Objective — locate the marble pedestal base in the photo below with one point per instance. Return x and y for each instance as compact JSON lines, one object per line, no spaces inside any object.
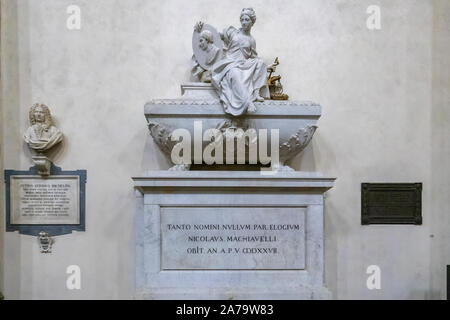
{"x":230,"y":235}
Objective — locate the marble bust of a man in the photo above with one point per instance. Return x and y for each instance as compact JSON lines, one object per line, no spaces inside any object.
{"x":206,"y":52}
{"x":42,"y":134}
{"x":206,"y":43}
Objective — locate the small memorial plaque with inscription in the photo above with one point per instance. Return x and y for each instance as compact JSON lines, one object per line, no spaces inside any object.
{"x":54,"y":204}
{"x":391,"y":203}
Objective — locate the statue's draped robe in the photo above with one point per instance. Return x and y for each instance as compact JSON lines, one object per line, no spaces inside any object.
{"x":44,"y":141}
{"x":241,"y":75}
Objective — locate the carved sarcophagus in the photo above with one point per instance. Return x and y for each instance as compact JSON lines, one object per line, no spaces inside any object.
{"x":287,"y":125}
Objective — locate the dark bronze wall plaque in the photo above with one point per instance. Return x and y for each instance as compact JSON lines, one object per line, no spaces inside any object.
{"x":448,"y":282}
{"x":391,"y":203}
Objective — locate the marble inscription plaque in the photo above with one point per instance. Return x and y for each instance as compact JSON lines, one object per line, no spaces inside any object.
{"x":52,"y":200}
{"x":232,"y":238}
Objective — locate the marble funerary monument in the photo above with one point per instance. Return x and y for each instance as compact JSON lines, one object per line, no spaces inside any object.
{"x":44,"y":201}
{"x":231,"y":219}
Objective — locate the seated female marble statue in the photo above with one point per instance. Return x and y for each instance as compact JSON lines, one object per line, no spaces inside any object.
{"x":42,"y":134}
{"x":240,"y":77}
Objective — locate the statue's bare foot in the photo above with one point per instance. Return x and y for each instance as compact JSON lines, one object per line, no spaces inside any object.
{"x":259,"y":99}
{"x":251,"y":108}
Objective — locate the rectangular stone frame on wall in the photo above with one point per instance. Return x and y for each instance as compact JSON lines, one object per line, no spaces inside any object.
{"x":296,"y":192}
{"x":54,"y":229}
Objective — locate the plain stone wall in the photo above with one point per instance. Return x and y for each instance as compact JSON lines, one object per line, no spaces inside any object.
{"x":385,"y":113}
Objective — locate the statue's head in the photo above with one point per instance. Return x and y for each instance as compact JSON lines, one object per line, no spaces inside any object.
{"x":40,"y":113}
{"x":206,"y":37}
{"x":248,"y":18}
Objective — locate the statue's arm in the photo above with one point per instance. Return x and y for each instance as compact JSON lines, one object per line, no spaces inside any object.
{"x":227,"y":34}
{"x":254,"y":54}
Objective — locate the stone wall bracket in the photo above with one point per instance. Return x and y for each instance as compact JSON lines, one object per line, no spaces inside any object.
{"x":43,"y":164}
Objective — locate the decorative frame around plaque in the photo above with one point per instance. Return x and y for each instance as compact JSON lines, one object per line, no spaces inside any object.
{"x":51,"y":229}
{"x":391,"y":203}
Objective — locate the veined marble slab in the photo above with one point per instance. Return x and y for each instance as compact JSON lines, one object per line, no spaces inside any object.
{"x":52,"y":200}
{"x":245,"y":238}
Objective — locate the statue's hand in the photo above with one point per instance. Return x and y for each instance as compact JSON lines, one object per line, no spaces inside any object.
{"x":272,"y":67}
{"x":198,"y":26}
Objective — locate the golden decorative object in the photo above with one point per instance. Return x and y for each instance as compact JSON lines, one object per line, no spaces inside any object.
{"x":275,"y":87}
